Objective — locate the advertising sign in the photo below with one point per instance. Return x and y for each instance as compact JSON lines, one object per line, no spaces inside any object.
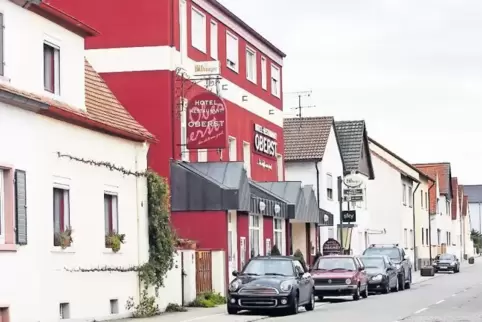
{"x":331,"y":247}
{"x":348,"y":216}
{"x":206,"y":122}
{"x":353,"y":180}
{"x":206,"y":68}
{"x":265,"y":142}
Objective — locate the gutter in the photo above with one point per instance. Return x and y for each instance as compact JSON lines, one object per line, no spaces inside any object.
{"x":414,"y":230}
{"x":318,"y":233}
{"x":430,"y":224}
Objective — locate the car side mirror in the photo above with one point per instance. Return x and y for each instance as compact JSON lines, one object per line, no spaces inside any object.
{"x":235,"y":273}
{"x":406,"y":257}
{"x":361,"y":268}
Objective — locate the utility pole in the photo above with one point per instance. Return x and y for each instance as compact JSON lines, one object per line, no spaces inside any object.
{"x":340,"y":204}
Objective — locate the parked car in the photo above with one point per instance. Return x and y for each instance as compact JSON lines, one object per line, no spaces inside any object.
{"x":340,"y":275}
{"x":271,"y":283}
{"x":447,"y":263}
{"x":398,"y":257}
{"x":382,"y":274}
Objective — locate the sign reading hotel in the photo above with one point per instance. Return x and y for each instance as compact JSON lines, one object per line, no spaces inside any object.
{"x":206,"y":122}
{"x":265,"y":142}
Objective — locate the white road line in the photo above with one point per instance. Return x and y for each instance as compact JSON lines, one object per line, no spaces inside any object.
{"x":420,"y":311}
{"x":455,"y":294}
{"x":441,"y":301}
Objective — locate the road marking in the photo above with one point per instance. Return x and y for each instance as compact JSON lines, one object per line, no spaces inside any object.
{"x":420,"y":311}
{"x":455,"y":294}
{"x":440,"y":301}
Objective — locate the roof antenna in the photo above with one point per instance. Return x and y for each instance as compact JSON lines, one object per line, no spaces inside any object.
{"x":300,"y":107}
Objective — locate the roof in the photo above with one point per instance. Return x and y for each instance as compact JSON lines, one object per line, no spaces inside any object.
{"x":103,"y":111}
{"x":455,"y":200}
{"x":473,"y":193}
{"x":49,"y":12}
{"x":239,"y":21}
{"x":441,"y":170}
{"x":465,"y":206}
{"x":461,"y":197}
{"x":423,"y":174}
{"x":352,"y":135}
{"x":305,"y":138}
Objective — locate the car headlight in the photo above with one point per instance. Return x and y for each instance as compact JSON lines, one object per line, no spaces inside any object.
{"x":398,"y":266}
{"x":453,"y":264}
{"x":285,"y":286}
{"x":233,"y":287}
{"x":348,"y":281}
{"x":379,"y":277}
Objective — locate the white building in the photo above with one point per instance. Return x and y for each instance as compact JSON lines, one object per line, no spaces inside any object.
{"x":61,"y":115}
{"x":312,"y":156}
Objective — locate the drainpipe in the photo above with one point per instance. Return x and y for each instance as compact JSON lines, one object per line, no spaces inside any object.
{"x":414,"y":230}
{"x":318,"y":244}
{"x":430,"y":225}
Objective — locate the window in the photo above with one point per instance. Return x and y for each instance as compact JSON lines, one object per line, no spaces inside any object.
{"x":61,"y":217}
{"x":198,"y":30}
{"x":52,"y":68}
{"x":251,"y":65}
{"x":263,"y":73}
{"x":2,"y":208}
{"x":202,"y":155}
{"x":426,"y":200}
{"x":247,"y":158}
{"x":111,"y":214}
{"x":64,"y":311}
{"x":438,"y":237}
{"x":447,"y":207}
{"x":232,"y":149}
{"x":421,"y":198}
{"x":275,"y":81}
{"x":254,"y":235}
{"x":411,"y":239}
{"x":184,"y":150}
{"x":114,"y":306}
{"x":404,"y":194}
{"x":427,"y":238}
{"x":298,"y":266}
{"x":232,"y":53}
{"x":410,"y":197}
{"x":2,"y":62}
{"x":405,"y":238}
{"x":214,"y":40}
{"x":329,"y":186}
{"x":423,"y":237}
{"x":278,"y":234}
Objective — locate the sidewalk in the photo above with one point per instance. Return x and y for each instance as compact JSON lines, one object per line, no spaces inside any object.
{"x":193,"y":314}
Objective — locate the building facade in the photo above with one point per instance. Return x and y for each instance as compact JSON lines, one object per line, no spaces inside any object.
{"x":57,"y":202}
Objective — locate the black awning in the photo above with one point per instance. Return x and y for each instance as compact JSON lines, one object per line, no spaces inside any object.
{"x":266,"y":203}
{"x":327,"y":219}
{"x":200,"y":186}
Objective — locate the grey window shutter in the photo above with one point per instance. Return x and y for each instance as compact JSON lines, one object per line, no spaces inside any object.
{"x":21,"y":206}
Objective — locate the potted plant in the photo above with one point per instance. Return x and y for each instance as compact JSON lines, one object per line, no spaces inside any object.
{"x":114,"y":240}
{"x":186,"y":244}
{"x":64,"y":238}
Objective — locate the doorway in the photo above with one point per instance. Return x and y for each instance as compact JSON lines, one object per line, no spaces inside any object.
{"x":232,"y":244}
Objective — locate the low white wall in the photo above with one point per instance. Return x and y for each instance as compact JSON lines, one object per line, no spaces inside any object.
{"x":189,"y":263}
{"x":218,"y":271}
{"x":172,"y":290}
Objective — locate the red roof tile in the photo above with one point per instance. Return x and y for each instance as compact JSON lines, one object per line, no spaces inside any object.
{"x":461,"y":197}
{"x":429,"y":171}
{"x":444,"y":173}
{"x":455,"y":200}
{"x":103,"y":112}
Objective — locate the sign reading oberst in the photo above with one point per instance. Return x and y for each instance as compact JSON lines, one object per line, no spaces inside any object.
{"x":206,"y":122}
{"x":265,"y":142}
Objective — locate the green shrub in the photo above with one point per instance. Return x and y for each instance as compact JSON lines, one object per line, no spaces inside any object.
{"x":208,"y":299}
{"x":275,"y":251}
{"x":173,"y":307}
{"x":299,"y":255}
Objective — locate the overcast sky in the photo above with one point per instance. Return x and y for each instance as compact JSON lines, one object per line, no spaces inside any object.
{"x":411,"y":68}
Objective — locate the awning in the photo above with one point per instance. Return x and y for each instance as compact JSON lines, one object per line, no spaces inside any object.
{"x":326,"y":218}
{"x":202,"y":186}
{"x":266,"y":203}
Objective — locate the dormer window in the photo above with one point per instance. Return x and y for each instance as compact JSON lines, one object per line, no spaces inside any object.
{"x":52,"y":68}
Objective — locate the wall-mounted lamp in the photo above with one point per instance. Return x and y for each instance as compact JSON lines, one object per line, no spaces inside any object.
{"x":224,"y":87}
{"x":271,"y":112}
{"x":245,"y":98}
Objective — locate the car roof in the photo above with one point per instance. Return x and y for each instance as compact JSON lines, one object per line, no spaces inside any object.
{"x":338,"y":256}
{"x":277,"y":257}
{"x":374,"y":256}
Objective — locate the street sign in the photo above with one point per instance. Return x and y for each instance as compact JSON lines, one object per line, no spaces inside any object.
{"x":356,"y":198}
{"x":348,"y":216}
{"x":353,"y":180}
{"x":351,"y":192}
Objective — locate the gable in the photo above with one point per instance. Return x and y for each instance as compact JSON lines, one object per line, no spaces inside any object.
{"x":363,"y":165}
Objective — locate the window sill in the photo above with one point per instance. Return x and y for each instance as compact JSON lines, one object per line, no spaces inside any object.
{"x":276,"y":95}
{"x":109,"y":251}
{"x":8,"y":248}
{"x":201,"y":50}
{"x":251,"y":80}
{"x":58,"y":249}
{"x":234,"y":69}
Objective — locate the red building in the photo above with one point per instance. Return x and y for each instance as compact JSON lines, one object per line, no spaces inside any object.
{"x":155,"y":55}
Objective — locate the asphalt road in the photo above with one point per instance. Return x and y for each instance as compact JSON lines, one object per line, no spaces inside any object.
{"x":446,"y":298}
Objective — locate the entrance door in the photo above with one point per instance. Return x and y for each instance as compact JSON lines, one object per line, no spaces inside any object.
{"x":232,"y":249}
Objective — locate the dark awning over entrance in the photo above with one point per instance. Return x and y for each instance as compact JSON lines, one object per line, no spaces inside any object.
{"x":266,"y":203}
{"x":293,"y":192}
{"x":326,"y":218}
{"x":201,"y":186}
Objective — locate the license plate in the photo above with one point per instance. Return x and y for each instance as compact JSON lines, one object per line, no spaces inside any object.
{"x":443,"y":266}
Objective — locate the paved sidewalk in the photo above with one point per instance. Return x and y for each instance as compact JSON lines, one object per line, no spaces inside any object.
{"x":192,"y":314}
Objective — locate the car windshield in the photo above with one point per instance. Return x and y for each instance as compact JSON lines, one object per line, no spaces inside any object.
{"x":446,"y":257}
{"x":373,"y":262}
{"x":393,"y":253}
{"x":269,"y":267}
{"x":333,"y":263}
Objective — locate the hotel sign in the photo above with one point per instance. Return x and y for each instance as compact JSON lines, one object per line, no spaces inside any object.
{"x":265,"y":141}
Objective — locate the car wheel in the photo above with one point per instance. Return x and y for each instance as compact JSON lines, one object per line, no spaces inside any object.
{"x":365,"y":292}
{"x":386,"y":289}
{"x":408,"y":284}
{"x":397,"y":286}
{"x":401,"y":282}
{"x":356,"y":296}
{"x":232,"y":310}
{"x":294,"y":305}
{"x":311,"y":306}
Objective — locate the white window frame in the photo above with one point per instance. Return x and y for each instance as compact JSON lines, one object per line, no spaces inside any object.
{"x":411,"y":239}
{"x":251,"y":70}
{"x":232,"y":59}
{"x":67,"y":206}
{"x":247,"y":158}
{"x":232,"y":149}
{"x":2,"y":207}
{"x":56,"y":75}
{"x":198,"y":31}
{"x":405,"y":237}
{"x":264,"y":83}
{"x":278,"y":231}
{"x":202,"y":155}
{"x":183,"y":130}
{"x":115,"y":214}
{"x":410,"y":196}
{"x":253,"y":228}
{"x":329,"y":186}
{"x":214,"y":39}
{"x":404,"y":194}
{"x":275,"y":81}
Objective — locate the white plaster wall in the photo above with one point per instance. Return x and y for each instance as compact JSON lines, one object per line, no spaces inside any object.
{"x":421,"y":219}
{"x":38,"y":267}
{"x":444,"y":220}
{"x":172,"y":290}
{"x":189,"y":263}
{"x":407,"y":219}
{"x":218,"y":272}
{"x":25,"y":33}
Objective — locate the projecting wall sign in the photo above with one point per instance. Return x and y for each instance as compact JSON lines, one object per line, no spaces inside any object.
{"x":265,"y":142}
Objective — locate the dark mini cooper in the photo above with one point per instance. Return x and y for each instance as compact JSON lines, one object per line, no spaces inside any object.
{"x":382,"y":274}
{"x":446,"y":263}
{"x":271,"y":283}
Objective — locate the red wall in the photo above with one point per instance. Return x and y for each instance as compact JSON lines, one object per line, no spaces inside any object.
{"x":267,"y":232}
{"x":192,"y":225}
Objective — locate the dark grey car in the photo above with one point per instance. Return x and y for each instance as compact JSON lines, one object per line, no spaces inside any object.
{"x":382,"y":275}
{"x":446,"y":263}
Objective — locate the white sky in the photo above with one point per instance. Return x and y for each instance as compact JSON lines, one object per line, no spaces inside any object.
{"x":411,"y":68}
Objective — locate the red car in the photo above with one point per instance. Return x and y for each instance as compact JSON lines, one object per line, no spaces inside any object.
{"x":340,"y":275}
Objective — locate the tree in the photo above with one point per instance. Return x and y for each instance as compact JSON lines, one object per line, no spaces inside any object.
{"x":275,"y":251}
{"x":476,"y":237}
{"x":299,"y":255}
